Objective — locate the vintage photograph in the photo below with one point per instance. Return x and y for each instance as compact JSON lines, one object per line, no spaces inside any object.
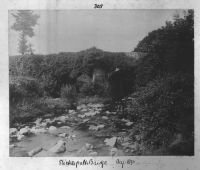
{"x":85,"y":83}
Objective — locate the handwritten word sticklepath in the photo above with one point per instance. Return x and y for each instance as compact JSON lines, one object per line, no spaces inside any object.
{"x":83,"y":162}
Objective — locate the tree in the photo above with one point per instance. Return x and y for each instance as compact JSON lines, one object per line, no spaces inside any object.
{"x":30,"y":49}
{"x":25,"y":21}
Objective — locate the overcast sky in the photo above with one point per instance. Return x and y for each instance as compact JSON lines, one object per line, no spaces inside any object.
{"x":75,"y":30}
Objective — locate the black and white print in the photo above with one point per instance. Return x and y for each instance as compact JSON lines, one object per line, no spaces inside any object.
{"x":101,"y":83}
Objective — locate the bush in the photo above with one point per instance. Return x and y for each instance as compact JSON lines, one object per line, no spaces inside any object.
{"x":163,"y":108}
{"x":23,"y":88}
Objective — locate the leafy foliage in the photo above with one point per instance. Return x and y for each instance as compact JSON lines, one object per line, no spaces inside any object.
{"x":163,"y":103}
{"x":56,"y":70}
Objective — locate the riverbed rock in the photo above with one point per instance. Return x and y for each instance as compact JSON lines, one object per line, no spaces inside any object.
{"x":37,"y":130}
{"x":38,"y":121}
{"x":13,"y":131}
{"x":84,"y":110}
{"x":20,"y":137}
{"x":96,"y":128}
{"x":105,"y":117}
{"x":72,"y":111}
{"x":65,"y":127}
{"x":35,"y":151}
{"x":82,"y":106}
{"x":98,"y":105}
{"x":59,"y":147}
{"x":89,"y":146}
{"x":52,"y":129}
{"x":24,"y":131}
{"x":62,"y":118}
{"x":108,"y":112}
{"x":91,"y":113}
{"x":63,"y":135}
{"x":128,"y":123}
{"x":111,"y":142}
{"x":81,"y":116}
{"x":44,"y":124}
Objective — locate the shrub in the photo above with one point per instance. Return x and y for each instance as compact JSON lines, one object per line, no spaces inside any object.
{"x":23,"y":88}
{"x":164,"y":107}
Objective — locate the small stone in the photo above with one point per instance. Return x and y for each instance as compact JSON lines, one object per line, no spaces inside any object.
{"x":125,"y":120}
{"x":35,"y":151}
{"x":100,"y":126}
{"x":111,"y":142}
{"x":105,"y":117}
{"x":71,"y":111}
{"x":85,"y":120}
{"x":62,"y":118}
{"x":129,"y":123}
{"x":92,"y":127}
{"x":37,"y":130}
{"x":73,"y":136}
{"x":38,"y":121}
{"x":84,"y":110}
{"x":24,"y":131}
{"x":107,"y":112}
{"x":20,"y":137}
{"x":13,"y":131}
{"x":63,"y":135}
{"x":89,"y":146}
{"x":44,"y":124}
{"x":81,"y":116}
{"x":65,"y":127}
{"x":90,"y":113}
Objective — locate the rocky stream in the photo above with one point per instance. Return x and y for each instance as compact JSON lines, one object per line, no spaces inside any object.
{"x":89,"y":130}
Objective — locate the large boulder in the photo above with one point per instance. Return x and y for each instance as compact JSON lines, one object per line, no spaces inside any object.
{"x":20,"y":137}
{"x":24,"y":131}
{"x":59,"y":147}
{"x":13,"y":131}
{"x":63,"y":118}
{"x":35,"y":151}
{"x":37,"y":130}
{"x":111,"y":142}
{"x":52,"y":129}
